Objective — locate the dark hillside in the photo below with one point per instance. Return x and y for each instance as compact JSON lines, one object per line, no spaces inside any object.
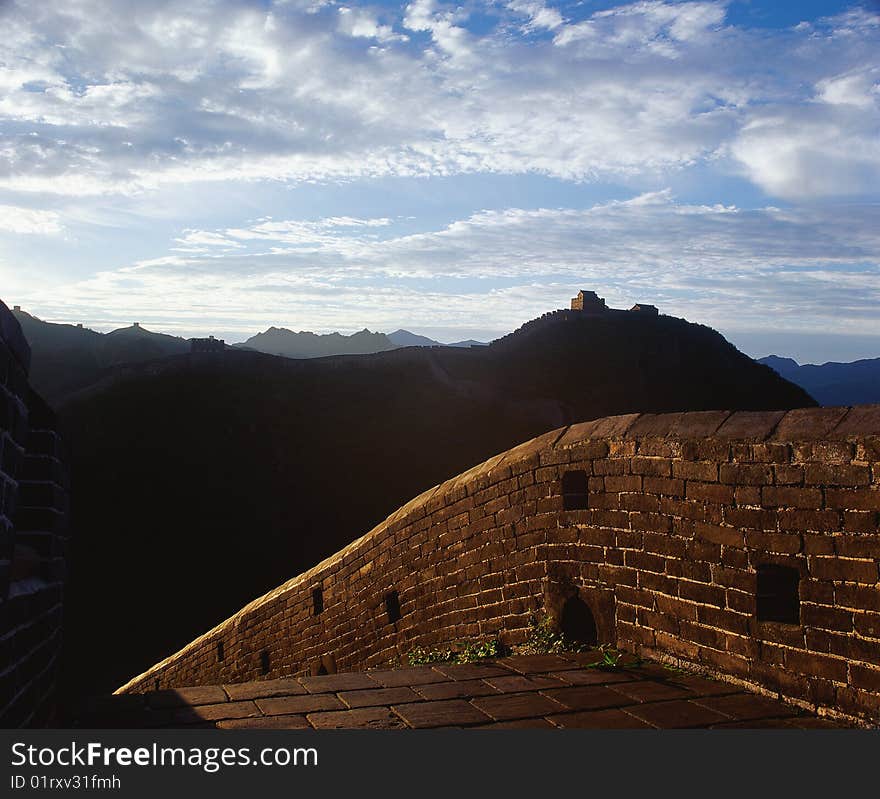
{"x":203,"y":481}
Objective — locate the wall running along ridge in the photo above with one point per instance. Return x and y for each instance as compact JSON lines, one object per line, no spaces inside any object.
{"x":682,"y":512}
{"x":33,"y":538}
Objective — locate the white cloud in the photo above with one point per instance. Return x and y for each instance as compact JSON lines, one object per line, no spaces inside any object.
{"x":770,"y":269}
{"x":107,"y":98}
{"x":29,"y":220}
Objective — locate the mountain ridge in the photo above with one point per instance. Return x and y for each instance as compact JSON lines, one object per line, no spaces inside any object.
{"x":833,"y":382}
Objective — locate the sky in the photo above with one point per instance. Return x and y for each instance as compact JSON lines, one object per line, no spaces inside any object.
{"x":220,"y":166}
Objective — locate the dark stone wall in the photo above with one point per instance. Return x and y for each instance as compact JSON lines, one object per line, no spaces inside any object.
{"x":33,"y":539}
{"x":743,"y":544}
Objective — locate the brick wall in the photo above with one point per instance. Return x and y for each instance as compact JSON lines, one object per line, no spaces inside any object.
{"x":33,"y":517}
{"x":744,"y":544}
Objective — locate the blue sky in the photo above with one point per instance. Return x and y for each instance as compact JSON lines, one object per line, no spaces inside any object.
{"x":455,"y":169}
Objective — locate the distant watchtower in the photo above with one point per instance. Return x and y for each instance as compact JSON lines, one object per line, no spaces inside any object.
{"x":589,"y":302}
{"x":209,"y":344}
{"x":643,"y":308}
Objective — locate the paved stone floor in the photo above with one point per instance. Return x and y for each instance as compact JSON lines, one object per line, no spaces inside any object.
{"x":532,"y":691}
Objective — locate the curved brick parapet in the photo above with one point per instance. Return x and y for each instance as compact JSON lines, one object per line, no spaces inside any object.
{"x":744,"y":543}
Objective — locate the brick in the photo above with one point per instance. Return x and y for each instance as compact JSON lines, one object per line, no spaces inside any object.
{"x":815,"y":520}
{"x":747,"y":707}
{"x":718,"y":534}
{"x":866,"y":678}
{"x":623,"y":483}
{"x":808,"y":423}
{"x":867,"y":499}
{"x":865,"y":545}
{"x":592,"y":697}
{"x":656,"y":522}
{"x":706,"y":471}
{"x":368,"y":718}
{"x":378,"y":696}
{"x":677,"y":715}
{"x":611,"y":719}
{"x":784,"y":543}
{"x":664,"y":485}
{"x":299,"y":704}
{"x":861,"y":521}
{"x":709,"y":492}
{"x":845,"y":569}
{"x":859,"y":597}
{"x":447,"y":713}
{"x":813,"y":664}
{"x":754,"y":518}
{"x":750,"y":425}
{"x":790,"y":497}
{"x":784,"y":474}
{"x":837,"y":475}
{"x":828,"y":618}
{"x":867,"y":624}
{"x":745,"y":474}
{"x":289,"y":722}
{"x":656,"y":467}
{"x":698,"y":592}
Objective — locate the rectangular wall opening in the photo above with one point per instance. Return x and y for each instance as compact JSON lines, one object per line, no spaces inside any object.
{"x":392,"y":606}
{"x":317,"y":601}
{"x":264,"y":661}
{"x":778,"y":596}
{"x":220,"y":653}
{"x":574,"y":490}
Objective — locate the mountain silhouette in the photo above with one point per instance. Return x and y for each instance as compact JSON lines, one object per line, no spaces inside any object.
{"x":66,"y":358}
{"x":201,"y":482}
{"x":403,"y":338}
{"x":832,"y":383}
{"x":281,"y":341}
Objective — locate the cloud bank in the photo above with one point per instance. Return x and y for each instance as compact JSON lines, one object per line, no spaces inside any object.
{"x":102,"y":98}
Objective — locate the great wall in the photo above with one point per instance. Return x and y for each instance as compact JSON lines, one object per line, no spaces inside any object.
{"x":33,"y":540}
{"x":744,"y":544}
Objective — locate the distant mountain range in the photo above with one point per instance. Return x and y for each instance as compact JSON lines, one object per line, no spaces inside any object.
{"x":68,"y":358}
{"x":832,"y":383}
{"x":281,"y":341}
{"x":403,"y":338}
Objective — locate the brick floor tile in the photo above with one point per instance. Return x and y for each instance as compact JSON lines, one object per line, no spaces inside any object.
{"x":535,"y":664}
{"x":374,"y":697}
{"x":309,"y":703}
{"x":675,"y":715}
{"x":463,"y":689}
{"x":517,"y":706}
{"x":447,"y":713}
{"x":264,"y":689}
{"x":650,"y":691}
{"x":178,"y":697}
{"x":588,"y":697}
{"x":289,"y":722}
{"x":418,"y":675}
{"x":518,"y":724}
{"x":193,"y":715}
{"x":331,"y":683}
{"x":590,"y":676}
{"x":702,"y":686}
{"x":471,"y":671}
{"x":747,"y":707}
{"x":519,"y":683}
{"x":365,"y":718}
{"x":611,"y":719}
